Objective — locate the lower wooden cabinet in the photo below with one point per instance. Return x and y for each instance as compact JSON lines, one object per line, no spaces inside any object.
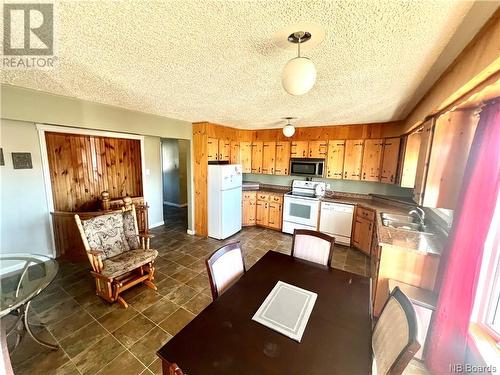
{"x":274,"y":216}
{"x":363,"y":230}
{"x":249,"y":204}
{"x":262,"y":209}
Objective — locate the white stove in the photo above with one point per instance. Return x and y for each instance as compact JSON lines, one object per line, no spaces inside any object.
{"x":301,"y":205}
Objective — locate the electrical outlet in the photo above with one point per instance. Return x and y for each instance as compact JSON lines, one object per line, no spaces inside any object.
{"x":328,"y":187}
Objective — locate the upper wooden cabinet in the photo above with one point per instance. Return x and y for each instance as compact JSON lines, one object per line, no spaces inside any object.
{"x":410,"y":159}
{"x":257,"y":148}
{"x":213,"y":149}
{"x":452,"y":139}
{"x":300,"y":149}
{"x":268,"y":157}
{"x":246,"y":157}
{"x":335,"y":160}
{"x":224,"y":149}
{"x":372,"y":157}
{"x":317,"y":149}
{"x":282,"y":162}
{"x":353,"y":158}
{"x":390,"y":160}
{"x":423,"y":159}
{"x":235,"y":153}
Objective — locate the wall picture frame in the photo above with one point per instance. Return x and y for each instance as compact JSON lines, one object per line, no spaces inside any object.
{"x":22,"y":160}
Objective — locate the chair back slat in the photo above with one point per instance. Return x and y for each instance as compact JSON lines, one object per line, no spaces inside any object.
{"x":394,"y":338}
{"x":224,"y":267}
{"x":313,"y":246}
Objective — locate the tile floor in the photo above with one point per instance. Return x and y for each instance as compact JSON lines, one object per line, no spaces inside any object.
{"x":99,"y":338}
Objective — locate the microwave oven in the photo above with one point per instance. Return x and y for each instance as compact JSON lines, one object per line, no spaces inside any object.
{"x":307,"y":167}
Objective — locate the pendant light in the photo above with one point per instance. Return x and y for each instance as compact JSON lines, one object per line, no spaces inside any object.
{"x":299,"y":74}
{"x":288,"y":129}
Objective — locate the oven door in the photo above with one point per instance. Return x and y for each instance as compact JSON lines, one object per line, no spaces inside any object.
{"x":301,"y":211}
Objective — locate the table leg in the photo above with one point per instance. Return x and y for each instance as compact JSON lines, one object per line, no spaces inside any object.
{"x":31,"y":333}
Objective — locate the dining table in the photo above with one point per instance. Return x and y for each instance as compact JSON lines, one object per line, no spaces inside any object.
{"x":223,"y":338}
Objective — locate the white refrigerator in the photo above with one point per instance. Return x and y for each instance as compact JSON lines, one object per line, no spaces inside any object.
{"x":224,"y":200}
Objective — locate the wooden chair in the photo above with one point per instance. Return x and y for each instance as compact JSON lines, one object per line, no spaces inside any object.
{"x":119,"y":255}
{"x":313,"y":246}
{"x":224,"y":267}
{"x":394,"y":338}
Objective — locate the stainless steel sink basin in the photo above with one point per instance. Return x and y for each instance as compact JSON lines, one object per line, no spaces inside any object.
{"x":403,"y":222}
{"x":400,"y":218}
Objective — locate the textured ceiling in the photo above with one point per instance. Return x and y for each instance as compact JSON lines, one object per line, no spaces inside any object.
{"x":200,"y":60}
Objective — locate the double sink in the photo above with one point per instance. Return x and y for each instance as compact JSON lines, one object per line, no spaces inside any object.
{"x":403,"y":222}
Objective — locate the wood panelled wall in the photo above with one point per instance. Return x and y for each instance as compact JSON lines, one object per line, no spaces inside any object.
{"x":204,"y":130}
{"x":82,"y":166}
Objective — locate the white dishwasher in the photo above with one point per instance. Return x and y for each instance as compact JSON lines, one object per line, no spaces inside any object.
{"x":336,"y":220}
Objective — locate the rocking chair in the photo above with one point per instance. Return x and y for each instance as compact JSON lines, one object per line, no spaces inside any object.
{"x":119,"y":255}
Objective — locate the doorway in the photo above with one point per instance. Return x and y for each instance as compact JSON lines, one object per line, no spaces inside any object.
{"x":174,"y":157}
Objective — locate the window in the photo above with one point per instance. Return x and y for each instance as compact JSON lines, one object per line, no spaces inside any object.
{"x":486,"y":312}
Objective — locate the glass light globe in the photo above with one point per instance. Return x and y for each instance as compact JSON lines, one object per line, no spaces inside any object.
{"x":299,"y":76}
{"x":288,"y":130}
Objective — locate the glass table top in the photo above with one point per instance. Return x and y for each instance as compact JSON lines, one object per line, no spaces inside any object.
{"x":31,"y":274}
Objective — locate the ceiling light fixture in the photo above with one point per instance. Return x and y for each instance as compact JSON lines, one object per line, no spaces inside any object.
{"x":299,"y":74}
{"x":288,"y":129}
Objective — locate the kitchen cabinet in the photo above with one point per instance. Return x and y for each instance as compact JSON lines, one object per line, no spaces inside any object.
{"x":300,"y":149}
{"x":282,"y":161}
{"x":257,"y":148}
{"x":410,"y":159}
{"x":390,"y":160}
{"x":317,"y":149}
{"x":213,"y":149}
{"x":353,"y":158}
{"x":249,"y":208}
{"x":372,"y":157}
{"x":451,"y":143}
{"x":363,"y":229}
{"x":224,"y":149}
{"x":246,"y":156}
{"x":235,"y":153}
{"x":262,"y":216}
{"x":423,"y":160}
{"x":268,"y":157}
{"x":275,"y":217}
{"x":335,"y":159}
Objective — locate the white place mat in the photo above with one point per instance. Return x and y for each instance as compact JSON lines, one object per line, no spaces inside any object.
{"x":286,"y":310}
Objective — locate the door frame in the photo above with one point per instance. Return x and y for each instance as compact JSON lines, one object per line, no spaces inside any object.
{"x":42,"y":128}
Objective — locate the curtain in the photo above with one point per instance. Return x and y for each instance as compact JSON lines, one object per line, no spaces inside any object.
{"x":480,"y":187}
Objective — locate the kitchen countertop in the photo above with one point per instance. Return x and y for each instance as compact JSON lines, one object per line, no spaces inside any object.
{"x":430,"y":244}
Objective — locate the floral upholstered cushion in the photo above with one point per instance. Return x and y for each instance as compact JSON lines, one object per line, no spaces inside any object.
{"x":106,"y":233}
{"x":130,"y":228}
{"x":127,"y":261}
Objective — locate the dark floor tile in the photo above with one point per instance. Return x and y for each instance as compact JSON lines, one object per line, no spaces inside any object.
{"x":133,"y":330}
{"x":59,"y":311}
{"x":186,"y":260}
{"x":181,"y":294}
{"x":145,"y":349}
{"x":145,"y":300}
{"x":197,"y":303}
{"x":70,"y":324}
{"x":167,"y":285}
{"x":160,"y":310}
{"x":44,"y":363}
{"x":155,"y":367}
{"x":101,"y":307}
{"x":184,"y":275}
{"x":178,"y":320}
{"x":125,"y":363}
{"x":95,"y":357}
{"x":199,"y":282}
{"x":79,"y":340}
{"x":116,"y":318}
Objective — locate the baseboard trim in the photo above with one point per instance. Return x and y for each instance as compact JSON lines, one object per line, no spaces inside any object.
{"x":191,"y":232}
{"x":158,"y":224}
{"x":175,"y":204}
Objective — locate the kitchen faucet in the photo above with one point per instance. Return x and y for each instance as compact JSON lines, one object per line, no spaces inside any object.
{"x":420,"y":214}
